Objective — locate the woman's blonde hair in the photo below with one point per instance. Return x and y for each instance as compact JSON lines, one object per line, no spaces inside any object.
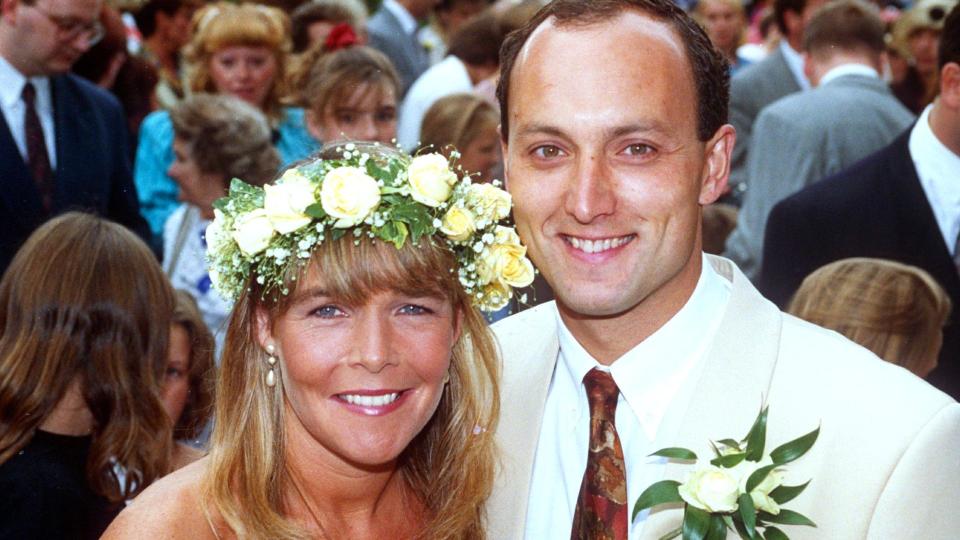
{"x":324,"y":78}
{"x":85,"y":299}
{"x":457,"y":120}
{"x":895,"y":310}
{"x":224,"y":24}
{"x":201,"y":374}
{"x":449,"y":466}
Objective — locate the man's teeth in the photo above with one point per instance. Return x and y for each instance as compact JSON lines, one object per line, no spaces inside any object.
{"x":370,"y":401}
{"x":596,"y":246}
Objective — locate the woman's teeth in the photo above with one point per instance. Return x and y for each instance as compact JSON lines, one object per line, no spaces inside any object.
{"x":370,"y":401}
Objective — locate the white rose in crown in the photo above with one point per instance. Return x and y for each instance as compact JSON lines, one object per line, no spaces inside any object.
{"x":492,"y":202}
{"x":252,"y":232}
{"x":506,"y":235}
{"x":711,"y":488}
{"x":286,"y":201}
{"x":431,"y":180}
{"x":458,"y":224}
{"x":216,"y":236}
{"x":349,"y":194}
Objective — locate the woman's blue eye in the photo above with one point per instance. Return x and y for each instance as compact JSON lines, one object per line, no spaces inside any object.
{"x":327,"y":312}
{"x":413,"y":309}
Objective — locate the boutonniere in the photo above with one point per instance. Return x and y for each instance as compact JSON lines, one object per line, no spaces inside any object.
{"x":740,"y":489}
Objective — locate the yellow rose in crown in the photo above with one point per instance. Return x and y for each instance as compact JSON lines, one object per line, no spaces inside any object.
{"x":431,"y":180}
{"x":458,"y":224}
{"x":506,"y":264}
{"x":252,"y":232}
{"x":286,"y":201}
{"x":496,"y":295}
{"x":349,"y":194}
{"x":711,"y":488}
{"x":492,"y":202}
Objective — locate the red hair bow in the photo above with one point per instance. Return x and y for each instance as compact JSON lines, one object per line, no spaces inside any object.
{"x":341,"y":36}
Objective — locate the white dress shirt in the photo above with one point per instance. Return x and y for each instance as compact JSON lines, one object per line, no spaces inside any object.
{"x":795,"y":63}
{"x":656,"y":379}
{"x":939,"y":171}
{"x":11,"y":101}
{"x":407,"y":22}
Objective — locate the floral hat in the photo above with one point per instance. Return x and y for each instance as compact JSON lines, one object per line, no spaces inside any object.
{"x":366,"y":189}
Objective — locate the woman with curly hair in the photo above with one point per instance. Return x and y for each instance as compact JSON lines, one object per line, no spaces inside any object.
{"x":239,"y":50}
{"x":85,"y":315}
{"x":216,"y":138}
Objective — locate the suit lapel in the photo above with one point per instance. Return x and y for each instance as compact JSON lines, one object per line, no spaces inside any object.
{"x":524,"y":399}
{"x":734,"y":381}
{"x":70,"y":120}
{"x":19,"y":189}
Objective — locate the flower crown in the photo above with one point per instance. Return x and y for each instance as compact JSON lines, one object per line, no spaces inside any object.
{"x":366,"y":190}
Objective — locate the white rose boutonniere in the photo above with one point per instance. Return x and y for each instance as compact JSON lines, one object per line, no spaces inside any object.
{"x":431,"y":180}
{"x":349,"y":194}
{"x":252,"y":232}
{"x":741,"y":489}
{"x":286,"y":201}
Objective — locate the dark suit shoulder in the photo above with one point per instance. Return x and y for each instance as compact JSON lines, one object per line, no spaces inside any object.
{"x":85,"y":90}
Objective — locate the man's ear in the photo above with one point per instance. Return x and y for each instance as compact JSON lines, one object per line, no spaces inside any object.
{"x":716,"y":167}
{"x":950,"y":85}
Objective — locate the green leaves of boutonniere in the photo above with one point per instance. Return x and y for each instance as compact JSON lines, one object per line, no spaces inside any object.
{"x":740,"y":490}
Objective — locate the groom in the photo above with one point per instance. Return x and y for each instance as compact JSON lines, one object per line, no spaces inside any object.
{"x":614,"y":137}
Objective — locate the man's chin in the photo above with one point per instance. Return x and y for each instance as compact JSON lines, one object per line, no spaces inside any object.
{"x":590,"y":302}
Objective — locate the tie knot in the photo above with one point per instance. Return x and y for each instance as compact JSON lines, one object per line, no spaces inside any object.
{"x":602,"y":391}
{"x":29,"y":94}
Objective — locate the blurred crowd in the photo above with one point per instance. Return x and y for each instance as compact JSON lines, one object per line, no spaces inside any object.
{"x":847,"y":158}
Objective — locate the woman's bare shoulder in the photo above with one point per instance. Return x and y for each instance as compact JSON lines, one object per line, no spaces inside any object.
{"x":170,"y":509}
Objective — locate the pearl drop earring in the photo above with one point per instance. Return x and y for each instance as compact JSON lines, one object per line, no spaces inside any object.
{"x":272,"y":361}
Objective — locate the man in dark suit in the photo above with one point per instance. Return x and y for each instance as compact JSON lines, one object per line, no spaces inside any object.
{"x":901,"y":203}
{"x":393,"y":31}
{"x":63,"y":141}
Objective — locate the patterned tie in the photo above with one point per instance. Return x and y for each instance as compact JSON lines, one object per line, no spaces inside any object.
{"x":602,"y":504}
{"x":37,"y":158}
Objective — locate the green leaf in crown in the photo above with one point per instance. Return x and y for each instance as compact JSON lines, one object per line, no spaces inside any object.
{"x":366,"y":190}
{"x":740,"y":490}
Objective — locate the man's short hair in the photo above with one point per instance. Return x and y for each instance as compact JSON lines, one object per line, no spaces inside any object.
{"x":780,"y":9}
{"x":845,"y":25}
{"x":709,"y":68}
{"x":478,"y":41}
{"x":950,"y":39}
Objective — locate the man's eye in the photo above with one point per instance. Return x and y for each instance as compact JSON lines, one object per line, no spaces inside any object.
{"x":638,"y":149}
{"x":547,"y":151}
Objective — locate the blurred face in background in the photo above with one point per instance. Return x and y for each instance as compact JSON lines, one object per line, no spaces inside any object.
{"x":245,"y":72}
{"x":923,"y":44}
{"x":176,"y":27}
{"x":723,"y":23}
{"x":481,"y":155}
{"x":368,"y":113}
{"x":198,"y":188}
{"x":176,"y":380}
{"x":50,"y":35}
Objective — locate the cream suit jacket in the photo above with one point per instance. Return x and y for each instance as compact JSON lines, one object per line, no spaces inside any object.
{"x":886,"y":464}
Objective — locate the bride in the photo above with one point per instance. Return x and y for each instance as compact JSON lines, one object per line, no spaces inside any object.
{"x":358,"y":390}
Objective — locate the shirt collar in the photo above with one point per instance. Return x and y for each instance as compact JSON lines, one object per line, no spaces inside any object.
{"x":848,"y":69}
{"x":937,"y":167}
{"x":407,"y":22}
{"x":12,"y":82}
{"x":795,"y":63}
{"x":652,"y":373}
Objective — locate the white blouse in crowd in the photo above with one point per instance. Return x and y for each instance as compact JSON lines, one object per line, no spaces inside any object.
{"x":939,"y":171}
{"x":185,"y":263}
{"x":656,"y":379}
